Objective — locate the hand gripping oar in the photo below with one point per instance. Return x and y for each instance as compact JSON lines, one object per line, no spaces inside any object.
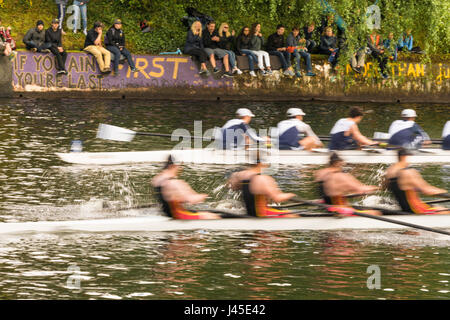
{"x":411,"y":225}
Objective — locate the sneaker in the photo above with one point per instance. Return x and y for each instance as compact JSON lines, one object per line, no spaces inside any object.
{"x":65,"y":71}
{"x":269,"y":71}
{"x":59,"y":72}
{"x":264,"y":72}
{"x":45,"y":51}
{"x":252,"y":73}
{"x":237,"y":70}
{"x":74,"y":30}
{"x":310,"y":74}
{"x":385,"y":76}
{"x":85,"y":32}
{"x":33,"y":49}
{"x":204,"y":72}
{"x":107,"y":70}
{"x":287,"y":72}
{"x":298,"y":74}
{"x":216,"y":70}
{"x":228,"y":74}
{"x":134,"y":70}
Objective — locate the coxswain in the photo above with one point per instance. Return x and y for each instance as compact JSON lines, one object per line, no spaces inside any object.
{"x":172,"y":193}
{"x":257,"y":189}
{"x":236,"y":133}
{"x":446,"y":136}
{"x":334,"y":185}
{"x":406,"y":132}
{"x":405,"y":182}
{"x":294,"y":134}
{"x":345,"y":134}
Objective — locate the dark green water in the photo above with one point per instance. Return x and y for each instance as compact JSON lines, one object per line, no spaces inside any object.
{"x":36,"y":185}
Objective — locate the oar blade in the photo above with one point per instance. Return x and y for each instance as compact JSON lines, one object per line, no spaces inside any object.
{"x":109,"y":132}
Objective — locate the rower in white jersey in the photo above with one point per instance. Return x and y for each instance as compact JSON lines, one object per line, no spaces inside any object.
{"x":236,"y":133}
{"x":446,"y":136}
{"x":406,"y":133}
{"x":345,"y":134}
{"x":294,"y":134}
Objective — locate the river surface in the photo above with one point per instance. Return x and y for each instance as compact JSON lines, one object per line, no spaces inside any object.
{"x":36,"y":185}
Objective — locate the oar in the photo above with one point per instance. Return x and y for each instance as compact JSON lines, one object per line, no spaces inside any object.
{"x":328,"y":138}
{"x":445,"y":195}
{"x":411,"y":225}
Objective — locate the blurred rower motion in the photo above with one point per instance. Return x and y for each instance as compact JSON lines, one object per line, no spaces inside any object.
{"x":407,"y":133}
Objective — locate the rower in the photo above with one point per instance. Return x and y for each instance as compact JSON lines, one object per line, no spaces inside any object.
{"x":446,"y":136}
{"x":294,"y":134}
{"x":173,"y":192}
{"x":257,"y":189}
{"x":404,"y":182}
{"x":345,"y":134}
{"x":406,"y":133}
{"x":236,"y":133}
{"x":334,"y":185}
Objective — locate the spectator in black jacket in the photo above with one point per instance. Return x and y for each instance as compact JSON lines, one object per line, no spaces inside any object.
{"x":115,"y":42}
{"x":328,"y":45}
{"x":211,"y":41}
{"x":376,"y":48}
{"x":194,"y":46}
{"x":276,"y":46}
{"x":34,"y":39}
{"x":227,"y":42}
{"x":309,"y":33}
{"x":54,"y":42}
{"x":243,"y":45}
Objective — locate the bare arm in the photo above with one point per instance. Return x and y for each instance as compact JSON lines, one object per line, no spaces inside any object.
{"x":415,"y":180}
{"x":356,"y":134}
{"x":270,"y":188}
{"x":347,"y":184}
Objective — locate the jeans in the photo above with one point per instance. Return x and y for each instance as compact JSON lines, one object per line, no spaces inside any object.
{"x":252,"y":58}
{"x":83,"y":10}
{"x":117,"y":54}
{"x":231,"y":59}
{"x":284,"y":57}
{"x":310,"y":44}
{"x":31,"y":45}
{"x":306,"y":56}
{"x":61,"y":12}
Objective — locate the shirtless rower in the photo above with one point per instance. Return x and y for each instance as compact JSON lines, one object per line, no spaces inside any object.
{"x":173,"y":192}
{"x":334,"y":185}
{"x":294,"y":134}
{"x":404,"y":182}
{"x":446,"y":136}
{"x":345,"y":134}
{"x":406,"y":132}
{"x":257,"y":189}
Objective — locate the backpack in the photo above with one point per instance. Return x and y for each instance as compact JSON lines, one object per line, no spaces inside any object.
{"x":194,"y":15}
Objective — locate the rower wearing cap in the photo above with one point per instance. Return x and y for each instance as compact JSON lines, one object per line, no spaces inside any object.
{"x":334,"y":185}
{"x":406,"y":133}
{"x":173,"y":192}
{"x":404,"y":182}
{"x":345,"y":134}
{"x":257,"y":189}
{"x":446,"y":136}
{"x":294,"y":134}
{"x":235,"y":134}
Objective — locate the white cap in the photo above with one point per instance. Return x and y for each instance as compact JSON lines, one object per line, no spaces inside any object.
{"x":409,"y":113}
{"x":243,"y":112}
{"x":292,"y":112}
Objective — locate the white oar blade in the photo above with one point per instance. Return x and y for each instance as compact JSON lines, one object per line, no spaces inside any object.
{"x":381,"y":135}
{"x":109,"y":132}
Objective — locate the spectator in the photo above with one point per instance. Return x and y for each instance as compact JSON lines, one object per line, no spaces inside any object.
{"x":328,"y":45}
{"x":406,"y":43}
{"x":115,"y":42}
{"x":93,"y":45}
{"x":34,"y":39}
{"x":309,"y":32}
{"x":194,"y":46}
{"x":211,"y":41}
{"x":82,"y":8}
{"x":61,"y":4}
{"x":54,"y":42}
{"x":297,"y":46}
{"x":391,"y":47}
{"x":226,"y":42}
{"x":256,"y":44}
{"x":375,"y":44}
{"x":276,"y":46}
{"x":5,"y":49}
{"x":243,"y":48}
{"x":5,"y":33}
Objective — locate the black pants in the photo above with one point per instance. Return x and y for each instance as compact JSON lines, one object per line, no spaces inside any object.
{"x":382,"y":61}
{"x":60,"y":58}
{"x":200,"y":54}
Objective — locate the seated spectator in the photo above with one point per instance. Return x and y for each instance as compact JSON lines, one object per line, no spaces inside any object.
{"x":211,"y":41}
{"x":406,"y":43}
{"x":256,"y":44}
{"x":5,"y":33}
{"x":309,"y":33}
{"x":375,"y":44}
{"x":243,"y":48}
{"x":328,"y":45}
{"x":194,"y":46}
{"x":34,"y":39}
{"x":226,"y":42}
{"x":53,"y":39}
{"x":115,"y":42}
{"x":276,"y":46}
{"x":297,"y":47}
{"x":390,"y":46}
{"x":93,"y":45}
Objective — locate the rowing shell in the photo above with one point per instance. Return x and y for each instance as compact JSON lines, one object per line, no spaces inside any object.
{"x":213,"y":156}
{"x":160,"y":224}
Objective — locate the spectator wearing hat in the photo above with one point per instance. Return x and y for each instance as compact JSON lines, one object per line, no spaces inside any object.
{"x":61,"y":4}
{"x":34,"y":39}
{"x":53,"y":39}
{"x":82,"y":8}
{"x":93,"y":45}
{"x":115,"y":42}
